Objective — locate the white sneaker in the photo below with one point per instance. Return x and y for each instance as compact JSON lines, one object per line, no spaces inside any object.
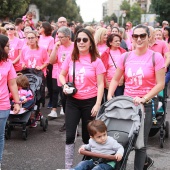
{"x":53,"y":114}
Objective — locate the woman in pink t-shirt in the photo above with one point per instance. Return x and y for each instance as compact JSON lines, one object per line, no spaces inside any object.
{"x":34,"y":56}
{"x":144,"y":79}
{"x":15,"y":46}
{"x":7,"y":81}
{"x":47,"y":41}
{"x":110,"y":58}
{"x":100,"y":37}
{"x":89,"y":81}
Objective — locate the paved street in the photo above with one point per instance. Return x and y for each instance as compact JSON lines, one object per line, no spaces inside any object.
{"x":45,"y":150}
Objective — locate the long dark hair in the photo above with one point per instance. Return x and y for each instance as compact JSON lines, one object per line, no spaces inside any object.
{"x":168,"y":29}
{"x":93,"y":50}
{"x":47,"y":28}
{"x":3,"y":41}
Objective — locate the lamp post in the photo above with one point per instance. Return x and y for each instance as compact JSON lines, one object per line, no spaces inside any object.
{"x":123,"y":17}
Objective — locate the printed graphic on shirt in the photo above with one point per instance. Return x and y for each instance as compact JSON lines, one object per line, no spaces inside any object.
{"x":32,"y":62}
{"x":135,"y":77}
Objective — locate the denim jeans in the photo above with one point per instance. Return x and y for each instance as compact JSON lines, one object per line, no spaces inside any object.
{"x":167,"y":77}
{"x":3,"y":118}
{"x":140,"y":154}
{"x":89,"y":165}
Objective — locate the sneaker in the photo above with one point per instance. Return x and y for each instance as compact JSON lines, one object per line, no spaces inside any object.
{"x":49,"y":106}
{"x":39,"y":116}
{"x":149,"y":164}
{"x":53,"y":114}
{"x":63,"y":128}
{"x":33,"y":125}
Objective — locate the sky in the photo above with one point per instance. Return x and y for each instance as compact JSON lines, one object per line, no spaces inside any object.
{"x":90,"y":9}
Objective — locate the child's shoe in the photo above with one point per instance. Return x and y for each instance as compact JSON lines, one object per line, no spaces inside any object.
{"x":34,"y":124}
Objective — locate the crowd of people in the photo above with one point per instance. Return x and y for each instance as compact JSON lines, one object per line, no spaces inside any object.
{"x":100,"y":61}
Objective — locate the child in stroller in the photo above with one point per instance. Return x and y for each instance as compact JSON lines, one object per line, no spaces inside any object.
{"x":100,"y":143}
{"x":25,"y":94}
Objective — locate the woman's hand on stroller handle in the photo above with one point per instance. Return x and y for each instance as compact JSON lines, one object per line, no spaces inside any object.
{"x":16,"y":108}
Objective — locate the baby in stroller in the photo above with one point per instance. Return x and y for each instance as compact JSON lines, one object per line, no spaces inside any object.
{"x":25,"y":94}
{"x":100,"y":143}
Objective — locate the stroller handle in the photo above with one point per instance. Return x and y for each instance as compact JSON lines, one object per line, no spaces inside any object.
{"x":98,"y":155}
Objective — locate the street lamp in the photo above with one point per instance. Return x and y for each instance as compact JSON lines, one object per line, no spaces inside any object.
{"x":123,"y":17}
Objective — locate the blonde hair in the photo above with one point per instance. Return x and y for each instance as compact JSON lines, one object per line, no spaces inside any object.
{"x":90,"y":28}
{"x":99,"y":34}
{"x":3,"y":31}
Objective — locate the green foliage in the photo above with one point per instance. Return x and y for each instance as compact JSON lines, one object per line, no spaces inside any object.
{"x":57,"y":8}
{"x":12,"y":8}
{"x":161,"y":8}
{"x":108,"y":18}
{"x":125,"y":6}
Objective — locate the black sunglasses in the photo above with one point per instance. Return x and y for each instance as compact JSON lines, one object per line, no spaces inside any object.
{"x":9,"y":28}
{"x":83,"y":39}
{"x":142,"y":36}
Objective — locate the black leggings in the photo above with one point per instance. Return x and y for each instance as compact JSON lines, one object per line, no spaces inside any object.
{"x":75,"y":110}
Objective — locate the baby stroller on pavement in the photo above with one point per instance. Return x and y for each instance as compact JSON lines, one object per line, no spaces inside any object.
{"x":123,"y":120}
{"x":36,"y":81}
{"x":159,"y":119}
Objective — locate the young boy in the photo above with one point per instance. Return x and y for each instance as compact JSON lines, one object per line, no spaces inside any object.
{"x":99,"y":142}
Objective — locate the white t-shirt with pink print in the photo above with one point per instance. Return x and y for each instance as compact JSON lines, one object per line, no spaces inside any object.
{"x":62,"y":53}
{"x":7,"y":72}
{"x":140,"y":72}
{"x":85,"y":75}
{"x":112,"y":66}
{"x":34,"y":57}
{"x":15,"y":45}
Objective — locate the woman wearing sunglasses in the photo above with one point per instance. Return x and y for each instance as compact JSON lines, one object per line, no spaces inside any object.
{"x":89,"y":81}
{"x":144,"y":79}
{"x":15,"y":46}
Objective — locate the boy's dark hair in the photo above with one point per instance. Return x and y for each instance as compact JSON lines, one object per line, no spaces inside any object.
{"x":18,"y":21}
{"x":22,"y":81}
{"x":96,"y":126}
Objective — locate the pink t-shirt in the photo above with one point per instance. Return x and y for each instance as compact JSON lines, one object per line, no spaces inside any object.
{"x":111,"y":67}
{"x":15,"y":45}
{"x":63,"y":52}
{"x":160,"y":46}
{"x":7,"y":72}
{"x":102,"y":48}
{"x":85,"y":75}
{"x":140,"y":72}
{"x":34,"y":57}
{"x":46,"y":41}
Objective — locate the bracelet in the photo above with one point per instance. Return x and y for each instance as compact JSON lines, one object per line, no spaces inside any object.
{"x":146,"y":99}
{"x":17,"y":102}
{"x":63,"y":85}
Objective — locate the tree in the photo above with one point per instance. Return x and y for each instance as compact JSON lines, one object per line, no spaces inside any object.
{"x":135,"y":14}
{"x":125,"y":6}
{"x":161,"y":8}
{"x":11,"y":9}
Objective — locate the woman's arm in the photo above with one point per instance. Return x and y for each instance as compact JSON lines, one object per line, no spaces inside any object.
{"x":18,"y":57}
{"x":100,"y":90}
{"x":53,"y":55}
{"x":167,"y":60}
{"x":42,"y":67}
{"x":160,"y":84}
{"x":14,"y":91}
{"x":114,"y":83}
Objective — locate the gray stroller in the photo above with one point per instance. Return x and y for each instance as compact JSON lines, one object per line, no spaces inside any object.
{"x":123,"y":120}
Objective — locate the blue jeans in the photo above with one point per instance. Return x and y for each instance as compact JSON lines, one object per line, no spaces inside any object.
{"x":3,"y":118}
{"x":89,"y":165}
{"x":167,"y":77}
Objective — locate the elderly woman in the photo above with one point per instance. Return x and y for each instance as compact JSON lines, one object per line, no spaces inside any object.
{"x":62,"y":49}
{"x":89,"y":81}
{"x":144,"y":79}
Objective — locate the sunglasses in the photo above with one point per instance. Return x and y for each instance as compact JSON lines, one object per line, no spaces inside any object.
{"x":142,"y":36}
{"x":10,"y":29}
{"x":83,"y":39}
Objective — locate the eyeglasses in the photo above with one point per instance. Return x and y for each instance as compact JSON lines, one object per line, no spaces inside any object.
{"x":142,"y":36}
{"x":30,"y":38}
{"x":61,"y":37}
{"x":83,"y":39}
{"x":10,"y":29}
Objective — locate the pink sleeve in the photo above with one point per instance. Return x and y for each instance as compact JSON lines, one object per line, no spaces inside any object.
{"x":51,"y":44}
{"x":22,"y":57}
{"x":12,"y":73}
{"x":100,"y":68}
{"x":120,"y":63}
{"x":159,"y":61}
{"x":165,"y":48}
{"x":20,"y":44}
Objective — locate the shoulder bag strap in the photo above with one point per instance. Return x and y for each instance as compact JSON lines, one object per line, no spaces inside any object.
{"x":74,"y":71}
{"x":112,"y":60}
{"x":127,"y":54}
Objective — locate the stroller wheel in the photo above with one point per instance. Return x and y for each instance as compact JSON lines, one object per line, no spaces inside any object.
{"x":161,"y":143}
{"x":7,"y":132}
{"x":44,"y":123}
{"x":167,"y":129}
{"x":24,"y":134}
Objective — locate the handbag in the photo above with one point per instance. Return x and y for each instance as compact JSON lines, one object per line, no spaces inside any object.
{"x":72,"y":89}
